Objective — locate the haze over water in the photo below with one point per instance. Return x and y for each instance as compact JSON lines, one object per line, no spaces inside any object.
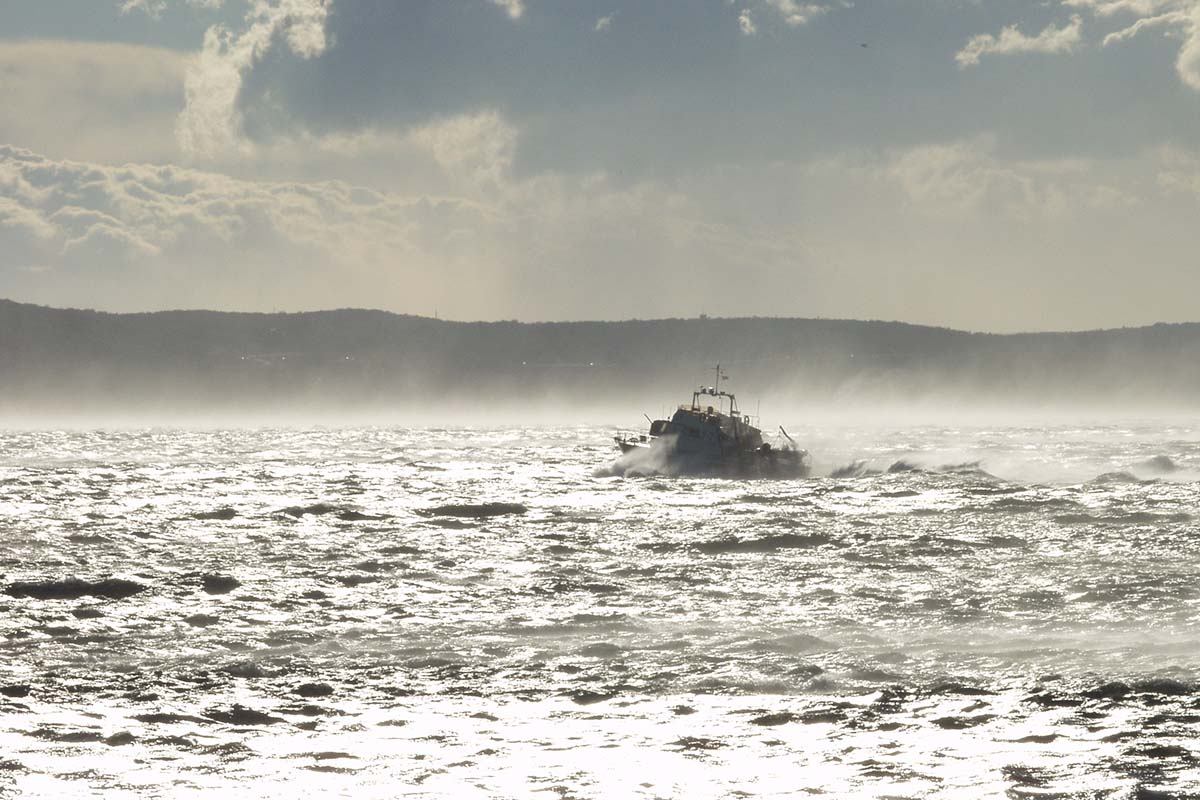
{"x":983,"y":611}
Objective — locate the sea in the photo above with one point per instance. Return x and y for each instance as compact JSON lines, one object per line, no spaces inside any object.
{"x":939,"y":611}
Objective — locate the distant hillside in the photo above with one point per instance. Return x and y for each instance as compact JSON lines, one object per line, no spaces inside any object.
{"x":74,"y":359}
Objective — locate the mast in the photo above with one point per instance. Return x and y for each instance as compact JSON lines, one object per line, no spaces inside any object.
{"x":717,"y":382}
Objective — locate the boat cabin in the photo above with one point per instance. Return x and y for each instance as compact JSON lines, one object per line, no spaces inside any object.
{"x":714,"y":418}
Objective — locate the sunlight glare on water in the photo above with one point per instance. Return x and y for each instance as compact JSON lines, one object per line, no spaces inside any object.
{"x":1000,"y":611}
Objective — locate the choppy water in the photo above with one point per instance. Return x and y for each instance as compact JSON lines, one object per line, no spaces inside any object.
{"x":1006,"y":612}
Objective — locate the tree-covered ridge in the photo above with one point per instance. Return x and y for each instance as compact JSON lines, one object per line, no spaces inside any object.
{"x":351,"y":354}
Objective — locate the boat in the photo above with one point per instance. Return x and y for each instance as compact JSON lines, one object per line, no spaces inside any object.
{"x":710,"y":436}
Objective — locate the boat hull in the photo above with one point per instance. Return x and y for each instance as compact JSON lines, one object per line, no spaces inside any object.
{"x":667,"y":456}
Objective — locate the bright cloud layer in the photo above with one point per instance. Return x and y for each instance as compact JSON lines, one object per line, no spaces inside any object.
{"x":143,"y":236}
{"x":153,"y":231}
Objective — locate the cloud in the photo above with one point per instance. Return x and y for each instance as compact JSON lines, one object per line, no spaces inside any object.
{"x":440,"y":59}
{"x":1180,"y":18}
{"x":102,"y":241}
{"x":210,"y":123}
{"x":927,"y":223}
{"x":968,"y":178}
{"x":1179,"y":171}
{"x":479,"y":147}
{"x":746,"y":23}
{"x":144,"y":236}
{"x":1108,"y":8}
{"x":1188,"y":63}
{"x":796,"y":13}
{"x":1052,"y":39}
{"x":514,"y":8}
{"x":462,"y":154}
{"x":140,"y":236}
{"x":603,"y":23}
{"x":1170,"y":19}
{"x":24,"y":234}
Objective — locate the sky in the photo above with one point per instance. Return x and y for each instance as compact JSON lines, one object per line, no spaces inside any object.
{"x":991,"y":165}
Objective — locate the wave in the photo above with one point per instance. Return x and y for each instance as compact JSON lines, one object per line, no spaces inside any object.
{"x":75,"y":588}
{"x":218,"y":514}
{"x":475,"y":510}
{"x":1158,"y":465}
{"x":1024,"y":505}
{"x":965,"y":468}
{"x":344,"y":513}
{"x":1131,"y":518}
{"x":1118,"y":477}
{"x":765,"y":544}
{"x":857,"y":469}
